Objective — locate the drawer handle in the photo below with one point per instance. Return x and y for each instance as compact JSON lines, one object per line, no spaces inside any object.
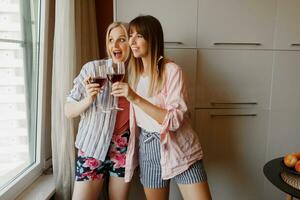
{"x":295,"y":45}
{"x":238,"y":43}
{"x":12,"y":41}
{"x":234,"y":103}
{"x":234,"y":115}
{"x":173,"y":42}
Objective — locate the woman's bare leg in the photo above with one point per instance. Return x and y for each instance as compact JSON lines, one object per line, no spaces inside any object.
{"x":157,"y":194}
{"x":87,"y":190}
{"x":196,"y":191}
{"x":118,"y":188}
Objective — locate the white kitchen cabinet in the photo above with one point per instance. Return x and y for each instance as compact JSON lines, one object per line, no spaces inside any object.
{"x":247,"y":24}
{"x":234,"y":145}
{"x":234,"y":78}
{"x":287,"y":30}
{"x":244,"y":95}
{"x":178,"y":18}
{"x":284,"y":128}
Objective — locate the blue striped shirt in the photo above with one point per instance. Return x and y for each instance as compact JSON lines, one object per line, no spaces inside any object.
{"x":95,"y":128}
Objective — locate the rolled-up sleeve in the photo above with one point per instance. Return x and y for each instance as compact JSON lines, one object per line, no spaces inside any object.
{"x":77,"y":93}
{"x":175,"y":100}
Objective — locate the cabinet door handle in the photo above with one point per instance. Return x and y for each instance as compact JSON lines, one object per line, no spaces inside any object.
{"x":234,"y":103}
{"x":238,"y":43}
{"x":295,"y":45}
{"x":234,"y":115}
{"x":173,"y":42}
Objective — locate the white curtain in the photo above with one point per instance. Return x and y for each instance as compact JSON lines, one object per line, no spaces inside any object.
{"x":70,"y":51}
{"x":64,"y":69}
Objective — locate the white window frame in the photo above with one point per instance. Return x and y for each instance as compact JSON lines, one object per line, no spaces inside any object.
{"x":17,"y":186}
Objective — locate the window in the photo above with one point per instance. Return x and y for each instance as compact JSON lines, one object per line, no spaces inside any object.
{"x":19,"y":28}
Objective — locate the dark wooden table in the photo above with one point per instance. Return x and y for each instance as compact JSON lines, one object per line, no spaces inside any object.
{"x":272,"y":170}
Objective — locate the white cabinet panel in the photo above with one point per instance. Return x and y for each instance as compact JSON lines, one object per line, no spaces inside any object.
{"x":178,"y":18}
{"x":287,"y":32}
{"x":236,"y":21}
{"x":284,"y":133}
{"x":286,"y":81}
{"x":187,"y":60}
{"x":234,"y":145}
{"x":234,"y":78}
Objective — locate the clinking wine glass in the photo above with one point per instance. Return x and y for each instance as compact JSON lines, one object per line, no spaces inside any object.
{"x":99,"y":76}
{"x":116,"y":73}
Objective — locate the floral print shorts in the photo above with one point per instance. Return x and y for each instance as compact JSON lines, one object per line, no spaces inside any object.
{"x":88,"y":168}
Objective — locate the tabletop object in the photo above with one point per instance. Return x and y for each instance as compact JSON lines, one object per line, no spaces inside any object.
{"x":273,"y":170}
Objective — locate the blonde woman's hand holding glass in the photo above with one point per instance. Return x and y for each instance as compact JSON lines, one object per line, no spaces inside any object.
{"x":92,"y":89}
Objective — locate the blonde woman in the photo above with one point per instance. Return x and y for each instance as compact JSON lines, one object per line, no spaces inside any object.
{"x":102,"y":137}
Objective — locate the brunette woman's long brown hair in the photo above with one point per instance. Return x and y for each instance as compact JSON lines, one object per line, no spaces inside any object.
{"x":152,"y":31}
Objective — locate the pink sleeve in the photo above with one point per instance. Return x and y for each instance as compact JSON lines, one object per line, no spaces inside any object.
{"x":174,"y":100}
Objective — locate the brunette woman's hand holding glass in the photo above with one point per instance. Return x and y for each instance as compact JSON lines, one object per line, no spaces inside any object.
{"x":123,"y":89}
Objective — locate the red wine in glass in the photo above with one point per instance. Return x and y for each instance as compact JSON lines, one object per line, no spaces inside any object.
{"x":115,"y":77}
{"x":100,"y":80}
{"x":115,"y":73}
{"x":98,"y":75}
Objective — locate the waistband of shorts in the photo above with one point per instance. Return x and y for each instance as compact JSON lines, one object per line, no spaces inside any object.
{"x":146,"y":132}
{"x":149,"y":135}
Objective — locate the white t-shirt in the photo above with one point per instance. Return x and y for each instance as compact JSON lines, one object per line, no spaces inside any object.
{"x":144,"y":120}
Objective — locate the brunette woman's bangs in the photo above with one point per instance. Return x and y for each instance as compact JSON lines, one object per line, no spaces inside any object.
{"x":139,"y":26}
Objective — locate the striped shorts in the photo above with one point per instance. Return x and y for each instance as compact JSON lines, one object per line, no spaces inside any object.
{"x":150,"y":167}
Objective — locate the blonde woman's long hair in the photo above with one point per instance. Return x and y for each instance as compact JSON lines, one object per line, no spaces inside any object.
{"x":151,"y":29}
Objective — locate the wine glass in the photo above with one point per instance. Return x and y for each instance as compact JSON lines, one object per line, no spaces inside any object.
{"x":99,"y":76}
{"x":115,"y":73}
